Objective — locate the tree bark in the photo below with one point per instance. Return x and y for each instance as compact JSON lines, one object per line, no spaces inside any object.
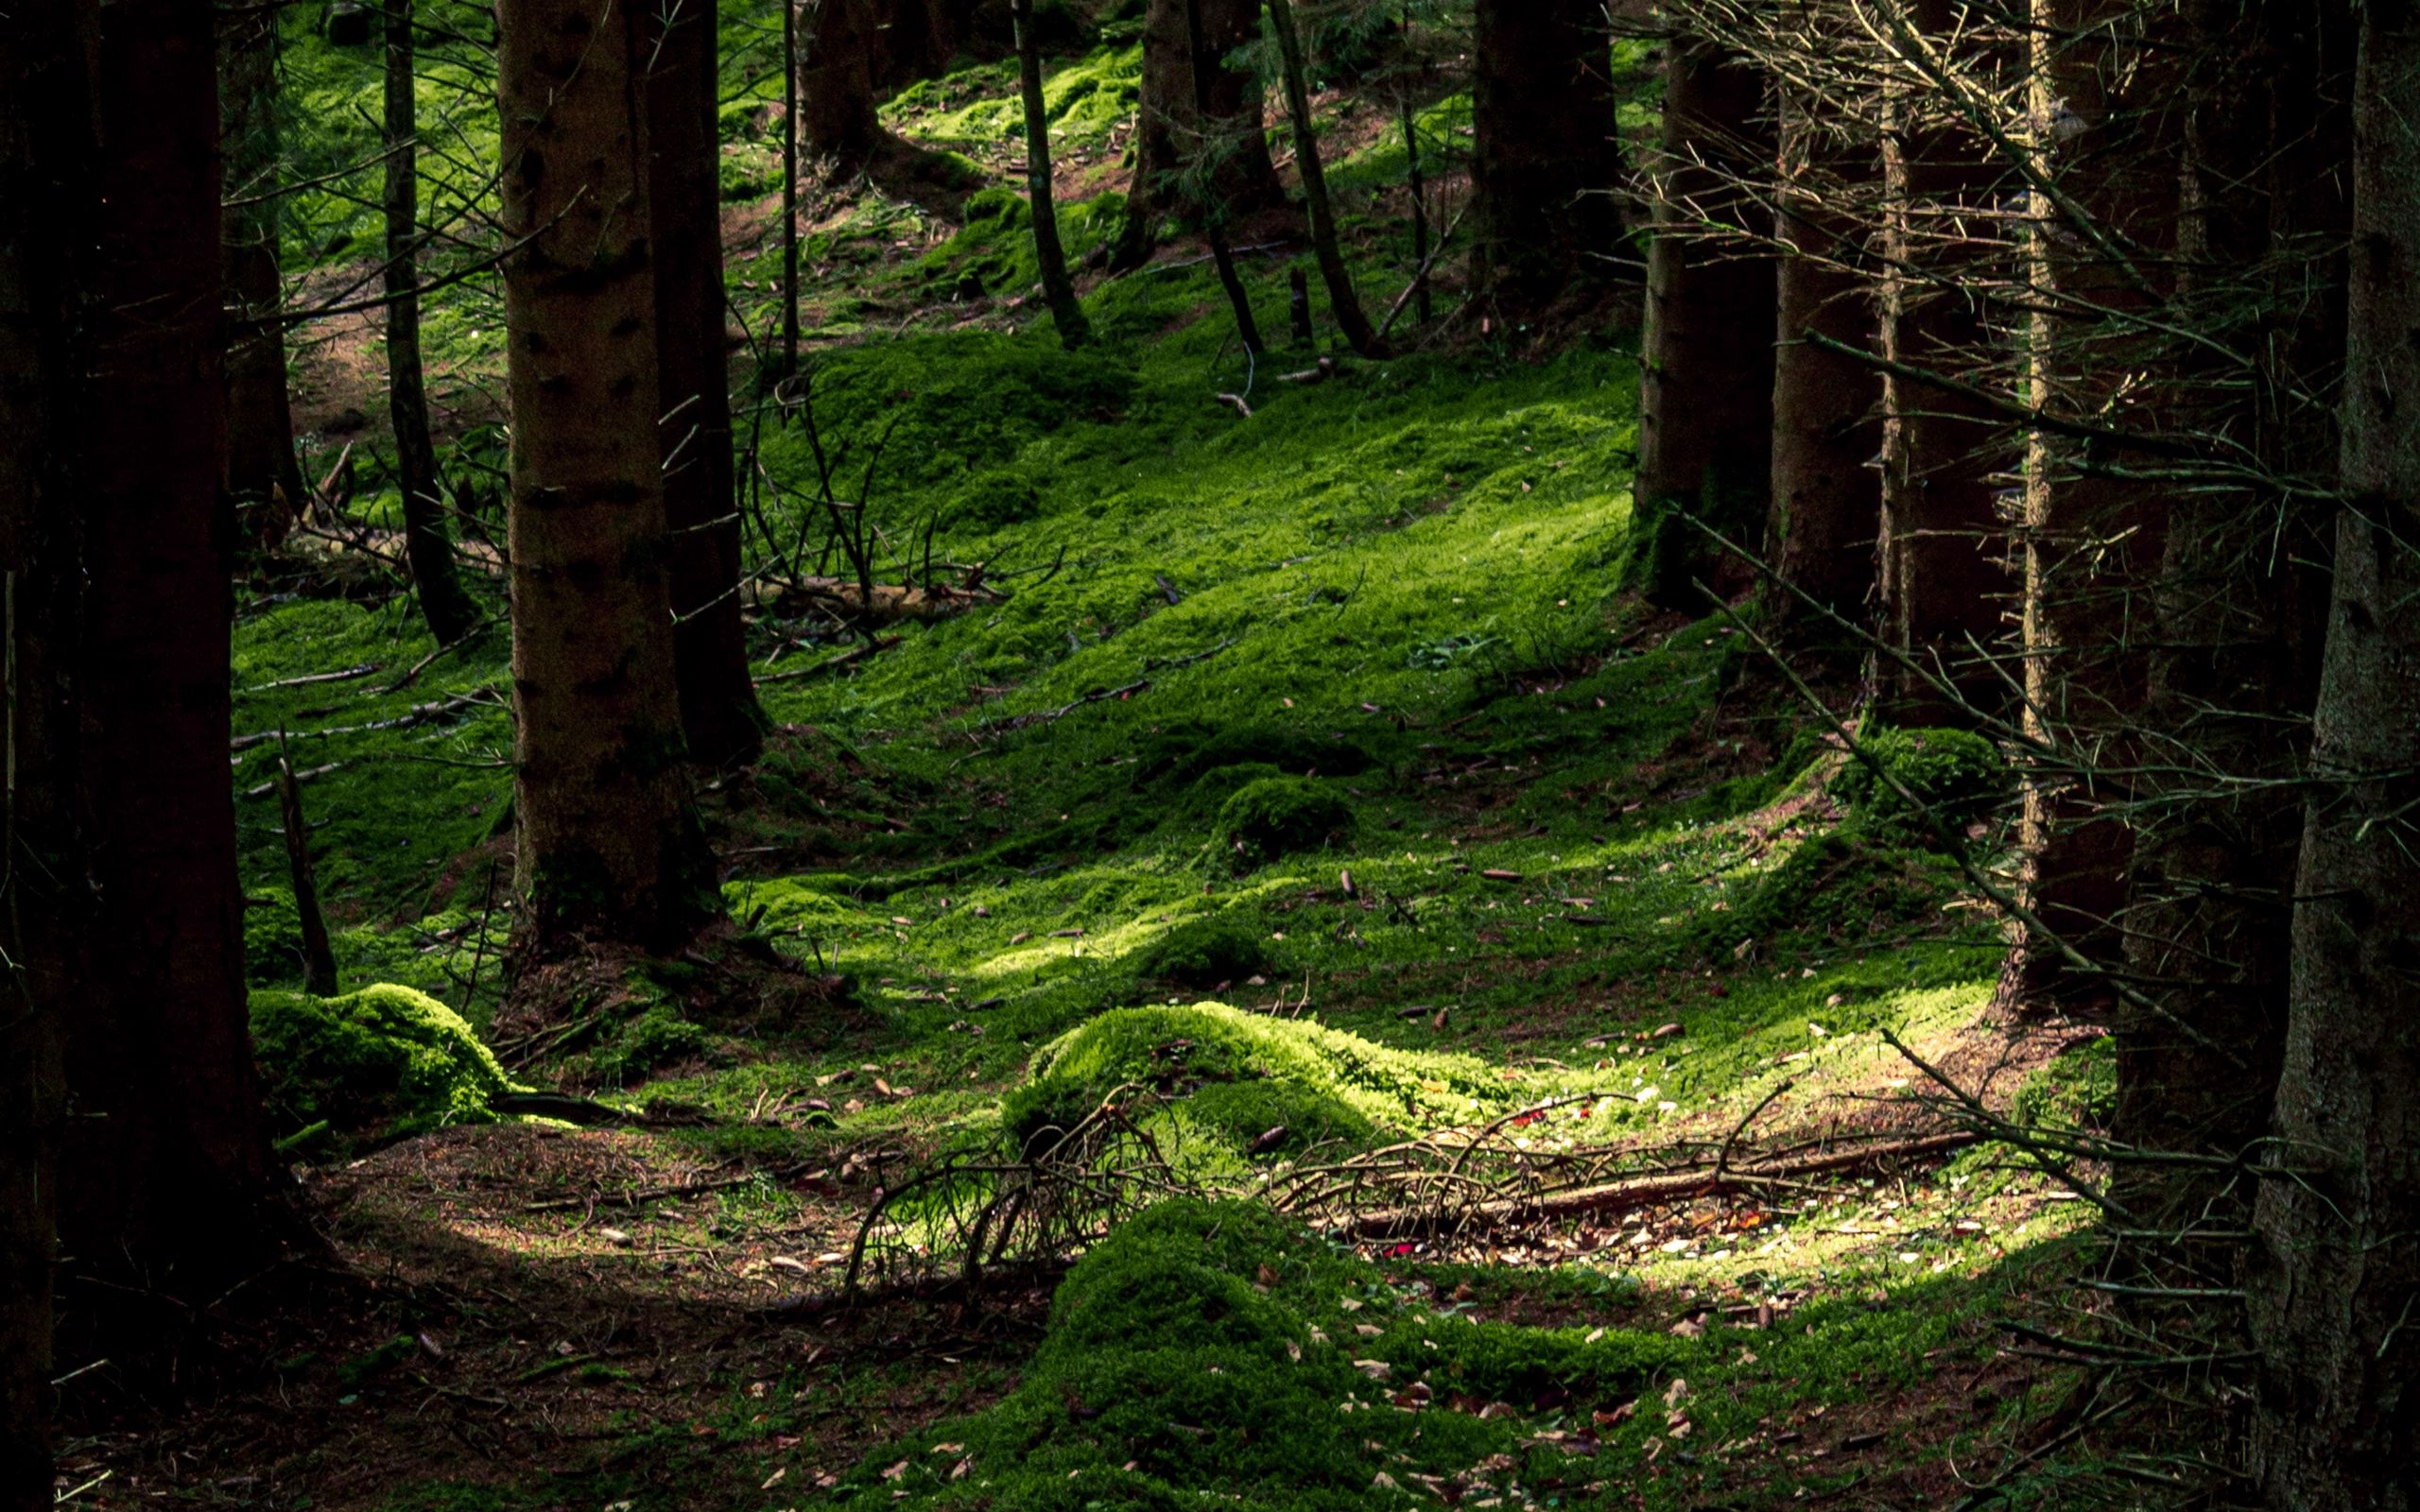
{"x":263,"y":474}
{"x":165,"y":1168}
{"x":46,"y":155}
{"x":719,"y":718}
{"x":1230,"y":154}
{"x":836,"y":97}
{"x":1067,"y":311}
{"x":789,"y":187}
{"x":1943,"y":585}
{"x":2340,"y":1247}
{"x":608,"y":844}
{"x":1342,"y":302}
{"x":1213,"y":220}
{"x":1706,"y":416}
{"x":1546,"y":155}
{"x":2089,"y":545}
{"x":1819,"y":537}
{"x":428,"y":545}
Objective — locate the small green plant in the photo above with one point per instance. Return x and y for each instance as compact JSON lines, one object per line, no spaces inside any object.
{"x":1955,"y":776}
{"x":1277,"y":816}
{"x":2076,"y":1091}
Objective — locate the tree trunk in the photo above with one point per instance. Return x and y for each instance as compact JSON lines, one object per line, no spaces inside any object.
{"x":836,"y":119}
{"x":1067,"y":311}
{"x":1415,"y":182}
{"x":1705,"y":417}
{"x":2340,"y":1246}
{"x":1820,"y":536}
{"x":719,"y":714}
{"x":789,"y":187}
{"x":1342,"y":302}
{"x":263,"y":474}
{"x":2090,"y":543}
{"x":1168,"y":133}
{"x":1943,"y":584}
{"x":1546,"y":155}
{"x":165,"y":1167}
{"x":428,"y":545}
{"x":46,"y":154}
{"x":608,"y":844}
{"x":1214,"y":220}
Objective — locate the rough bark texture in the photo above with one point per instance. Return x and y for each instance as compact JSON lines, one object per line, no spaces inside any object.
{"x":1544,"y":155}
{"x":1067,"y":311}
{"x":1170,"y":139}
{"x":263,"y":474}
{"x":165,"y":1166}
{"x":607,"y":841}
{"x":1344,"y":304}
{"x":836,"y":82}
{"x":2239,"y":606}
{"x":718,"y":713}
{"x":1214,"y":229}
{"x":2338,"y":1416}
{"x":1943,"y":552}
{"x":2089,"y":545}
{"x":428,"y":545}
{"x":1820,"y":536}
{"x":1705,"y":417}
{"x":45,"y":152}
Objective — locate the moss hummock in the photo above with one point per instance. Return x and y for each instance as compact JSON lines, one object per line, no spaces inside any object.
{"x":374,"y":1065}
{"x":1212,"y":1355}
{"x":1277,"y":817}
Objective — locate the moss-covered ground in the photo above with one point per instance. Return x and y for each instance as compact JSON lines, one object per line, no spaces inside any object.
{"x":1307,"y":786}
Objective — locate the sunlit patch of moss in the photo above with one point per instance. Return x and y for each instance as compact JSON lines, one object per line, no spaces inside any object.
{"x":2077,"y":1091}
{"x":376,"y":1064}
{"x":1209,"y":1355}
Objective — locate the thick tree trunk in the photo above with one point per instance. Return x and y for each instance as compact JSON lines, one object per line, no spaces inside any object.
{"x":2240,"y":606}
{"x":1344,"y":304}
{"x":789,"y":188}
{"x":1819,"y":537}
{"x":263,"y":474}
{"x":608,"y":844}
{"x":1169,"y":135}
{"x":165,"y":1167}
{"x":428,"y":545}
{"x":836,"y":118}
{"x":2332,"y":1306}
{"x":1706,"y":416}
{"x":1067,"y":311}
{"x":1945,"y":587}
{"x":718,"y":713}
{"x":46,"y":178}
{"x":1546,"y":155}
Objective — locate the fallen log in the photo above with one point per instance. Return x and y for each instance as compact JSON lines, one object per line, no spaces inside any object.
{"x":843,"y":599}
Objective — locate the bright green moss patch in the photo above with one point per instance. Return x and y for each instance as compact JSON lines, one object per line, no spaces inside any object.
{"x":374,"y":1064}
{"x":1179,"y":1050}
{"x":2077,"y":1090}
{"x":1208,"y":1356}
{"x":1206,"y":953}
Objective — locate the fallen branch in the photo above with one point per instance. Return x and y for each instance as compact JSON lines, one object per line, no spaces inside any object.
{"x":348,"y":675}
{"x":1650,"y":1191}
{"x":420,"y":714}
{"x":847,"y":658}
{"x":844,"y":598}
{"x":1052,"y":715}
{"x":687,"y":1189}
{"x":1235,"y":399}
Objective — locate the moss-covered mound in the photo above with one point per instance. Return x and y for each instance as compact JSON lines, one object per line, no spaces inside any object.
{"x":376,"y":1064}
{"x":1277,"y":817}
{"x":1210,"y":1356}
{"x":1954,"y":775}
{"x":1208,"y":953}
{"x":1240,"y":1075}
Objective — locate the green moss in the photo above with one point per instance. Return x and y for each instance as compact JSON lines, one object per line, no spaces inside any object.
{"x":374,"y":1064}
{"x":657,"y":1037}
{"x":2076,"y":1091}
{"x":1202,"y":1357}
{"x":1179,"y":1050}
{"x":272,"y":938}
{"x":1275,"y":817}
{"x":1206,"y":953}
{"x":1955,"y":775}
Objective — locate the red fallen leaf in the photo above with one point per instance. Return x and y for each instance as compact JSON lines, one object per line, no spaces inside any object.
{"x":1398,"y":1251}
{"x":1718,"y":990}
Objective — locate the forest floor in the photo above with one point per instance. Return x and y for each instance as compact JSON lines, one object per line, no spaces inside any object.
{"x":1334,"y":716}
